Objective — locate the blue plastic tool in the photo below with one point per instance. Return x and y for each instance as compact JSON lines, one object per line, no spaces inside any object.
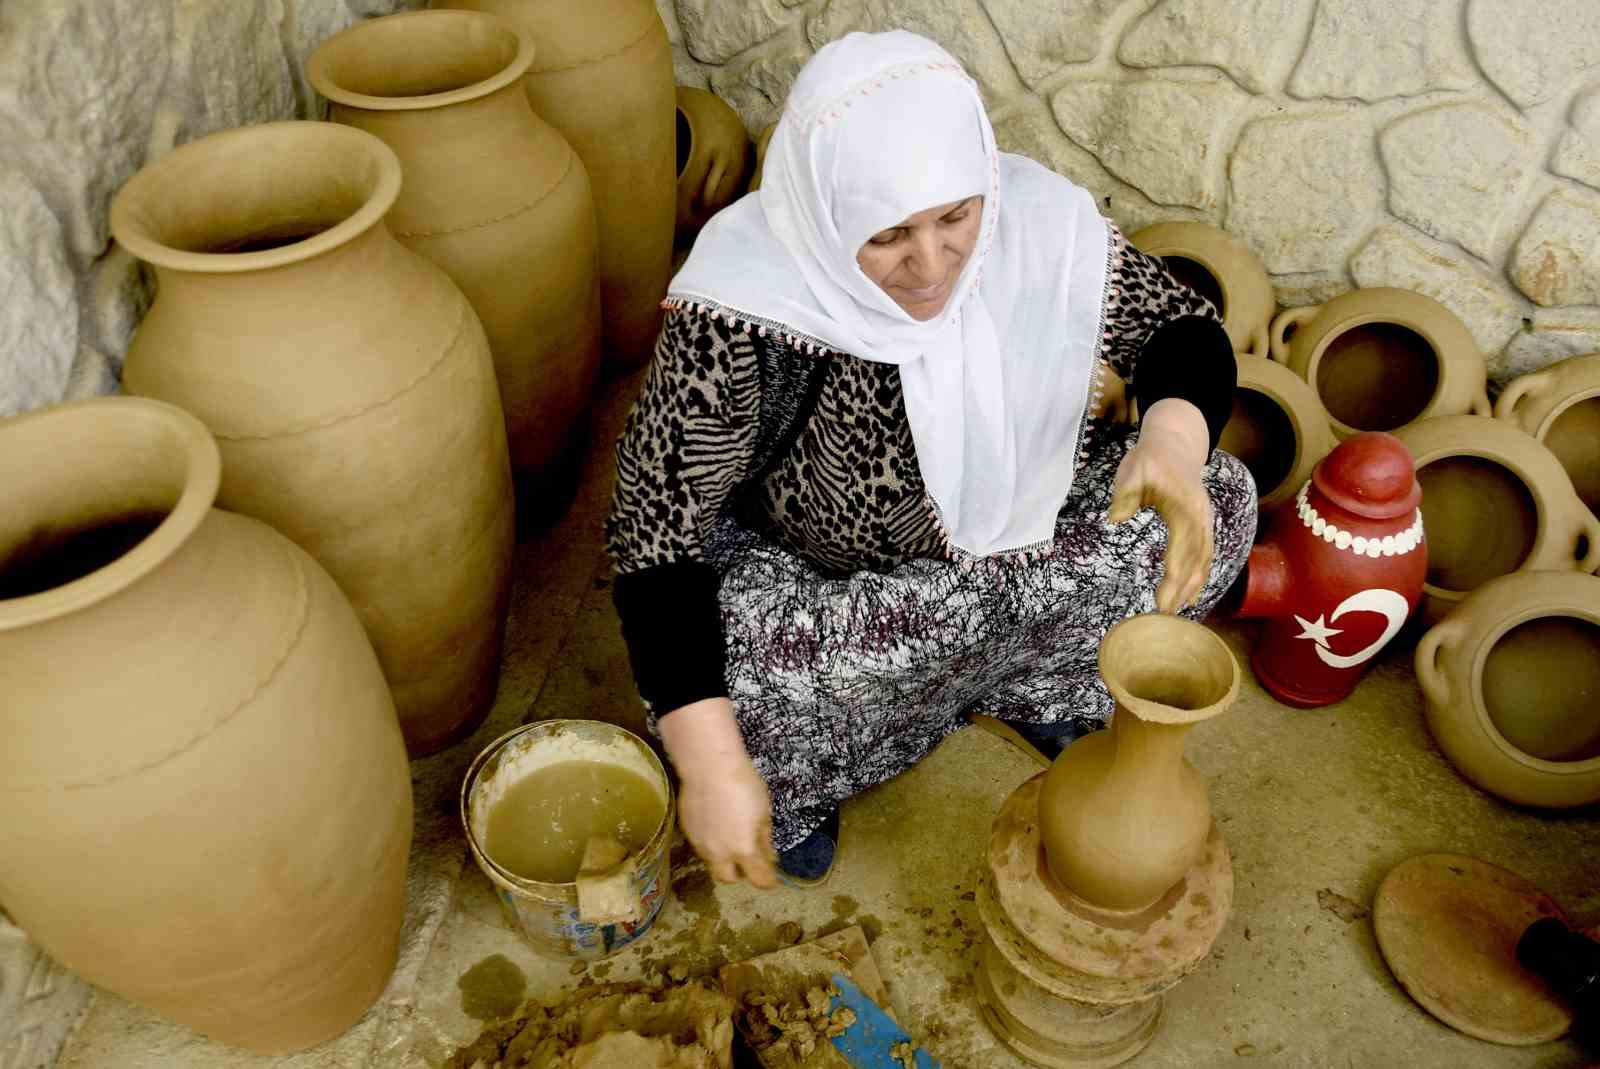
{"x":869,"y":1042}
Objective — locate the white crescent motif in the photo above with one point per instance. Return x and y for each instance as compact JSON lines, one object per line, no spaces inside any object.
{"x":1391,"y":605}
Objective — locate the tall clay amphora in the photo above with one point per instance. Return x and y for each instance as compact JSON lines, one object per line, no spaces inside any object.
{"x":207,"y":803}
{"x":349,"y":385}
{"x":1123,"y":814}
{"x":602,"y":75}
{"x":493,"y":195}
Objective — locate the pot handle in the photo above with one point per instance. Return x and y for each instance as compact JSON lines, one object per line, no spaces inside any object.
{"x":1259,"y":345}
{"x":1426,"y":663}
{"x":1480,"y":404}
{"x":1588,"y":542}
{"x":1289,"y":317}
{"x":1522,"y":386}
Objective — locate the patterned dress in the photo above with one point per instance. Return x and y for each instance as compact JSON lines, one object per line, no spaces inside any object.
{"x":775,"y":544}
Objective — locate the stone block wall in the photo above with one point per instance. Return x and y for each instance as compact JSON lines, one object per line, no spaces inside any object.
{"x":1445,"y":146}
{"x":1448,"y":146}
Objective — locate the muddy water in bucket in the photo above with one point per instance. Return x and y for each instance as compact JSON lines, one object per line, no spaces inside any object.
{"x":529,"y":803}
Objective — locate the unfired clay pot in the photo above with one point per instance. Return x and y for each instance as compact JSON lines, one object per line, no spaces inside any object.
{"x":602,"y":75}
{"x":1216,"y":265}
{"x":1494,"y":501}
{"x":493,"y":195}
{"x":763,"y":139}
{"x":1123,"y":814}
{"x":714,"y":158}
{"x":1511,"y":678}
{"x":1278,"y":428}
{"x":207,"y":803}
{"x":1382,"y":358}
{"x":1560,"y":406}
{"x":349,"y":385}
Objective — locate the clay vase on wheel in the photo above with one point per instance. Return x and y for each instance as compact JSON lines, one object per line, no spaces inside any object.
{"x":1510,"y":679}
{"x":349,"y":385}
{"x":1217,"y":266}
{"x":1494,"y":501}
{"x":1380,"y":359}
{"x":492,"y":194}
{"x":1560,"y":406}
{"x":1123,"y":814}
{"x":602,"y":76}
{"x":1278,"y":428}
{"x":207,"y":803}
{"x":714,"y":158}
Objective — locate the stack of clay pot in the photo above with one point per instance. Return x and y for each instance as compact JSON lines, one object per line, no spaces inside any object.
{"x":207,"y":802}
{"x":1279,"y":428}
{"x":1511,"y":666}
{"x":601,"y":74}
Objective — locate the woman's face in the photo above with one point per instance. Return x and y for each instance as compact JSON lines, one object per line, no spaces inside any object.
{"x":918,"y":261}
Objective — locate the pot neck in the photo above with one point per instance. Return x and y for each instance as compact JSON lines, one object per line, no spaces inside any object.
{"x":1146,"y":751}
{"x":345,"y":268}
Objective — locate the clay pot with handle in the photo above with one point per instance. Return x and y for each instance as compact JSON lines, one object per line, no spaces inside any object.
{"x":1279,"y":429}
{"x":1217,"y":265}
{"x":494,"y":195}
{"x":1380,"y":359}
{"x":602,"y":76}
{"x":1510,"y":678}
{"x":1494,"y":501}
{"x":207,"y":801}
{"x":715,"y":158}
{"x":349,"y":385}
{"x":1560,"y":406}
{"x":763,"y":139}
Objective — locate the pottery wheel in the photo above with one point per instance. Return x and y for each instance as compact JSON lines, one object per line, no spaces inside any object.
{"x":1448,"y":926}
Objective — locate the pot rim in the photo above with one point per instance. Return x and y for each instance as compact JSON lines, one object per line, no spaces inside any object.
{"x":318,"y":75}
{"x":1203,"y":243}
{"x":201,"y":479}
{"x":510,"y":880}
{"x":1266,"y":382}
{"x":1157,"y":712}
{"x":1561,"y":407}
{"x":134,"y":230}
{"x":1574,"y":609}
{"x":1542,"y":510}
{"x":1344,"y":325}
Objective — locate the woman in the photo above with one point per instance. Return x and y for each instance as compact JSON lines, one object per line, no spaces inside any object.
{"x":866,"y":488}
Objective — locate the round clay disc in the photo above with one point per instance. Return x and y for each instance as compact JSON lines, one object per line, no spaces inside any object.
{"x":1448,"y":926}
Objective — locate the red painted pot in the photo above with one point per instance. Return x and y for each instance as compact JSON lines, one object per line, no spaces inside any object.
{"x":1338,"y":573}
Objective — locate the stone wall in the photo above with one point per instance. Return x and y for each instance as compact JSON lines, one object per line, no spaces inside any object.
{"x":1449,"y":146}
{"x":1446,"y":146}
{"x":90,"y":90}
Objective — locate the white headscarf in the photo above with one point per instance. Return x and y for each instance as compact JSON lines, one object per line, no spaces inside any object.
{"x":877,"y":128}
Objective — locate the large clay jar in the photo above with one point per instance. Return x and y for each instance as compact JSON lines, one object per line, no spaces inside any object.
{"x":1278,"y":428}
{"x":207,"y":803}
{"x":1217,"y":266}
{"x":1382,"y":358}
{"x":493,"y":195}
{"x":1123,"y":814}
{"x":349,"y":385}
{"x":714,"y":158}
{"x":1560,"y":406}
{"x":1510,"y":679}
{"x":602,"y":75}
{"x":1494,"y":501}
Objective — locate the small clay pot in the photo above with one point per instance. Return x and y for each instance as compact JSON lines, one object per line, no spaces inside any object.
{"x":714,"y":158}
{"x":1560,"y":406}
{"x":763,"y":139}
{"x":1216,"y":265}
{"x":1382,"y":358}
{"x":1510,"y":679}
{"x":1494,"y":501}
{"x":1278,"y":428}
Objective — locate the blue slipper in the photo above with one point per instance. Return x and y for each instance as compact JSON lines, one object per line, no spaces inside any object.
{"x":809,"y":862}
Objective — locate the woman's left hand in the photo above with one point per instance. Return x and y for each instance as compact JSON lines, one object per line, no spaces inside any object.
{"x":1162,"y":471}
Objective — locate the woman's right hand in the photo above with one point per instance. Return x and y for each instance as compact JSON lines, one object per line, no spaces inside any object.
{"x":723,"y":804}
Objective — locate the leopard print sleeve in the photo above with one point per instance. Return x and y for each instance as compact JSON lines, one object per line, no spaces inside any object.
{"x":688,"y":441}
{"x":1142,"y":296}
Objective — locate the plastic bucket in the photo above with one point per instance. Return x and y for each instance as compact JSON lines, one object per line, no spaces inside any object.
{"x":546,"y":914}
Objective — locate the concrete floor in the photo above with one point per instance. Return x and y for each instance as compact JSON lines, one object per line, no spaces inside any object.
{"x":1309,"y":801}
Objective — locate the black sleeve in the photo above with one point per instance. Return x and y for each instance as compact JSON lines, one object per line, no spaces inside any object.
{"x":1190,"y":358}
{"x":672,"y":623}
